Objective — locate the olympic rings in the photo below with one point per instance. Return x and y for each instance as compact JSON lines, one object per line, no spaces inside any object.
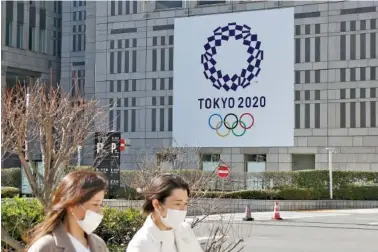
{"x":234,"y":124}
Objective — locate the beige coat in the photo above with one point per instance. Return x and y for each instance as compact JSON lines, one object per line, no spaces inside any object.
{"x":59,"y":241}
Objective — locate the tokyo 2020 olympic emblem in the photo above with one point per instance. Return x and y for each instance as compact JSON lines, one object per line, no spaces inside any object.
{"x":255,"y":56}
{"x":230,"y":123}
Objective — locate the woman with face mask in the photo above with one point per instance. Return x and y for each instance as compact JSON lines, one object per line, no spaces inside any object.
{"x":166,"y":202}
{"x":74,"y":213}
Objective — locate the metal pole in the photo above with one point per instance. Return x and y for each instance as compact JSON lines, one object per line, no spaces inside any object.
{"x":330,"y":151}
{"x":79,"y":155}
{"x":27,"y":114}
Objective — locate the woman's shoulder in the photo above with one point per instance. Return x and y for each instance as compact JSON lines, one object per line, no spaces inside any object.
{"x":98,"y":240}
{"x":44,"y":244}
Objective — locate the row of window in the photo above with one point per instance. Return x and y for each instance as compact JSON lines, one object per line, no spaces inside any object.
{"x":366,"y":48}
{"x":79,"y":3}
{"x":352,"y":93}
{"x":123,"y":43}
{"x":132,"y":102}
{"x":79,"y":15}
{"x":342,"y":75}
{"x":362,"y":25}
{"x":78,"y":42}
{"x":131,"y":85}
{"x":312,"y":113}
{"x":362,"y":114}
{"x":129,"y":119}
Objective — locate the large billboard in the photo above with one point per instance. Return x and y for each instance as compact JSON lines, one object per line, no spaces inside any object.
{"x":234,"y":80}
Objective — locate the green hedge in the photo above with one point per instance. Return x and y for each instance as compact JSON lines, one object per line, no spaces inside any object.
{"x":117,"y":228}
{"x":290,"y":193}
{"x":9,"y":192}
{"x":11,"y":177}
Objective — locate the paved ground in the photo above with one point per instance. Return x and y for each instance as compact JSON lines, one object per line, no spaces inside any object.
{"x":333,"y":231}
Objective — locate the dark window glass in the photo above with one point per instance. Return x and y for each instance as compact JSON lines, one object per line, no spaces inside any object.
{"x":317,"y":49}
{"x":153,"y":84}
{"x":119,"y":7}
{"x":362,"y":73}
{"x":373,"y":42}
{"x":373,"y":24}
{"x":111,"y":119}
{"x":119,"y":62}
{"x":317,"y":115}
{"x":134,"y":65}
{"x":170,"y":115}
{"x":353,"y":115}
{"x":363,"y":25}
{"x":317,"y":94}
{"x":297,"y":95}
{"x":126,"y":102}
{"x":162,"y":100}
{"x":133,"y":120}
{"x":342,"y":47}
{"x":162,"y":59}
{"x":297,"y":116}
{"x":161,"y":119}
{"x":126,"y":86}
{"x":126,"y":121}
{"x":112,"y":8}
{"x":307,"y":29}
{"x":307,"y":49}
{"x":342,"y":115}
{"x":317,"y":28}
{"x":168,"y":4}
{"x":127,"y":62}
{"x":153,"y":102}
{"x":343,"y":26}
{"x":119,"y":86}
{"x":153,"y":120}
{"x":317,"y":76}
{"x":297,"y":50}
{"x":362,"y":46}
{"x":362,"y":92}
{"x":373,"y":92}
{"x":353,"y":25}
{"x":111,"y":62}
{"x":171,"y":40}
{"x":170,"y":83}
{"x":307,"y":116}
{"x":170,"y":100}
{"x":170,"y":52}
{"x":352,"y":93}
{"x":307,"y":76}
{"x":373,"y":114}
{"x":353,"y":46}
{"x":111,"y":86}
{"x":353,"y":74}
{"x":363,"y":114}
{"x":372,"y":73}
{"x":162,"y":84}
{"x":118,"y":120}
{"x":307,"y":95}
{"x":342,"y":94}
{"x":134,"y":85}
{"x":342,"y":74}
{"x":297,"y":77}
{"x":154,"y":60}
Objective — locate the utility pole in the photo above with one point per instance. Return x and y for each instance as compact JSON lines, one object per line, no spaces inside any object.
{"x":79,"y":147}
{"x":330,"y":152}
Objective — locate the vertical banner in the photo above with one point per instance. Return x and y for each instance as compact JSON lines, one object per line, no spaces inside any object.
{"x":107,"y":157}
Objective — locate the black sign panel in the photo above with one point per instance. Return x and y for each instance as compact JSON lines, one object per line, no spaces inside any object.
{"x":108,"y":158}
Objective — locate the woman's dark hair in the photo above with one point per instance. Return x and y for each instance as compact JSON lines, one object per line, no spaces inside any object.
{"x":161,"y":188}
{"x":77,"y":187}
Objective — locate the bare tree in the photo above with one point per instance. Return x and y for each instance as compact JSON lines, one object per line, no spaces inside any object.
{"x":45,"y":121}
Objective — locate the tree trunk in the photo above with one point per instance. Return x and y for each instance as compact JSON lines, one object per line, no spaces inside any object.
{"x":5,"y":237}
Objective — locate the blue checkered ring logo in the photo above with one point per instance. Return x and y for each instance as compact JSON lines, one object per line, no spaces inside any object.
{"x":255,"y":56}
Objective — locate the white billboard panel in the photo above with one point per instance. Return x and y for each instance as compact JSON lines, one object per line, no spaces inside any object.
{"x":234,"y":80}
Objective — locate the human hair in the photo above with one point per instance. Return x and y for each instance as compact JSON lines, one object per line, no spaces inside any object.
{"x":161,"y":188}
{"x":77,"y":187}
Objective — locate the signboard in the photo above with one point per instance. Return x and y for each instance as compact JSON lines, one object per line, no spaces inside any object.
{"x":223,"y":172}
{"x":234,"y":80}
{"x":107,"y":155}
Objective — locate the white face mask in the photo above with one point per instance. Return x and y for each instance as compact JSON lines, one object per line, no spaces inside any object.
{"x":174,"y":218}
{"x":90,"y":222}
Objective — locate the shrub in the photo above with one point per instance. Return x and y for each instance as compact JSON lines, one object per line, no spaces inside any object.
{"x":19,"y":215}
{"x":250,"y":194}
{"x":119,"y":226}
{"x":357,"y":193}
{"x":9,"y":192}
{"x":11,"y":177}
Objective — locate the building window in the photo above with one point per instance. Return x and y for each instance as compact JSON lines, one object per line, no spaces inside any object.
{"x":168,"y":4}
{"x":42,"y":41}
{"x":8,"y":33}
{"x":208,"y":2}
{"x":32,"y":39}
{"x":20,"y":35}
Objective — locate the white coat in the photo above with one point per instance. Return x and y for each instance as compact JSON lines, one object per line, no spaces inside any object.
{"x":148,"y":239}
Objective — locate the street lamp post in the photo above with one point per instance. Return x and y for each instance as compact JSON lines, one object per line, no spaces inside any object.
{"x":330,"y":152}
{"x":79,"y":147}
